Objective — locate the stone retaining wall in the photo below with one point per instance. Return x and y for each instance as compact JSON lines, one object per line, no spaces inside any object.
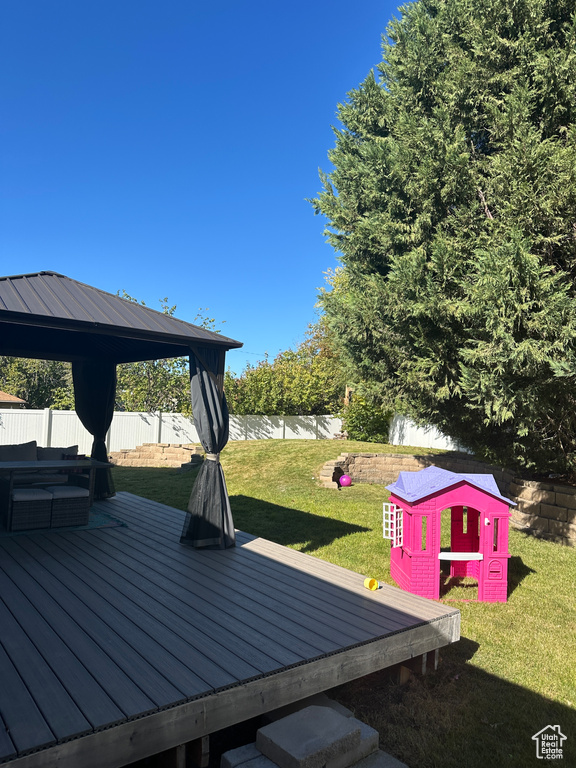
{"x":546,"y":510}
{"x":383,"y":468}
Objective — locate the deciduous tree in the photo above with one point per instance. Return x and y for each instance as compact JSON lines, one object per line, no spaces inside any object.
{"x":158,"y":385}
{"x":306,"y":381}
{"x":41,"y":383}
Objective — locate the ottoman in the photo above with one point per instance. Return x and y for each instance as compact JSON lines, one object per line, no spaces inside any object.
{"x":30,"y":508}
{"x":70,"y":505}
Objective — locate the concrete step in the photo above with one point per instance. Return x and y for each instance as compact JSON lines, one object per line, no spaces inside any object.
{"x":318,"y":700}
{"x":311,"y":738}
{"x":322,"y":734}
{"x":250,"y":757}
{"x":380,"y":759}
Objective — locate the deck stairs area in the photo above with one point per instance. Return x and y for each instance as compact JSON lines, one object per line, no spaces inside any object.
{"x":159,"y":455}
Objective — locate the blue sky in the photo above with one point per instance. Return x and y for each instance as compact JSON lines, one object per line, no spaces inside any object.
{"x":156,"y":147}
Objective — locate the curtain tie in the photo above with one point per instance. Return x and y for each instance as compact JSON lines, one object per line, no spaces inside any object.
{"x":213,"y":457}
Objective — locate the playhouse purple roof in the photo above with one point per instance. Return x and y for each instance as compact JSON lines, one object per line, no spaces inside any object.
{"x":413,"y":486}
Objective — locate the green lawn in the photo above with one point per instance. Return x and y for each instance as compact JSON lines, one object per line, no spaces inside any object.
{"x":512,"y":673}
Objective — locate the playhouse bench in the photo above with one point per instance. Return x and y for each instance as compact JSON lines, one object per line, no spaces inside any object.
{"x":460,"y":556}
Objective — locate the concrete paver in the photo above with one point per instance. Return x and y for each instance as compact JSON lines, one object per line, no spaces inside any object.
{"x":309,"y":738}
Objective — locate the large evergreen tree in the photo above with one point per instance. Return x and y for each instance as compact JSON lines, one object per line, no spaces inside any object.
{"x":453,"y":205}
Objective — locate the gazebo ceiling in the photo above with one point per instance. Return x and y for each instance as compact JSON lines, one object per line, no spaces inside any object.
{"x":47,"y":315}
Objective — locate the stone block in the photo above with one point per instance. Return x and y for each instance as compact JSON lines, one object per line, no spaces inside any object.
{"x":566,"y":500}
{"x":559,"y":528}
{"x":308,"y":738}
{"x":260,"y":762}
{"x":380,"y":759}
{"x":536,"y":484}
{"x":514,"y":489}
{"x":369,"y":740}
{"x":527,"y":507}
{"x":318,"y":700}
{"x":521,"y":518}
{"x":539,"y":524}
{"x":240,"y":756}
{"x":536,"y":495}
{"x":553,"y":512}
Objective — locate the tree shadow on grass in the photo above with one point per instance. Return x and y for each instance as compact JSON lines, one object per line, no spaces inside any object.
{"x":458,"y":716}
{"x":288,"y":526}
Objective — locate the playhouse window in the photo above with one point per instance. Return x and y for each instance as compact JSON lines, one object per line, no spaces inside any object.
{"x":392,"y":524}
{"x":495,"y":540}
{"x":464,"y":519}
{"x":424,"y":533}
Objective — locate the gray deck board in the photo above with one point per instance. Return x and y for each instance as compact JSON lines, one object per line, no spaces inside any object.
{"x":101,"y":709}
{"x":24,"y":721}
{"x":60,"y":712}
{"x":7,"y":748}
{"x":229,"y":621}
{"x":106,"y":628}
{"x":265,"y":600}
{"x":227,"y":604}
{"x":281,"y":573}
{"x":272,"y":588}
{"x":166,"y":675}
{"x":202,"y":636}
{"x":89,"y":646}
{"x":160,"y":621}
{"x":281,"y":577}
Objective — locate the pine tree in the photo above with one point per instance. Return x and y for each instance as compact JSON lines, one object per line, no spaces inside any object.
{"x":452,"y":204}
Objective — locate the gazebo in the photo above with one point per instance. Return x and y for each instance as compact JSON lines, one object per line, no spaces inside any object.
{"x":117,"y":642}
{"x":45,"y":315}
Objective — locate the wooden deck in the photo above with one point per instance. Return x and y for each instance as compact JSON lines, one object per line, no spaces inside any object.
{"x":117,"y":643}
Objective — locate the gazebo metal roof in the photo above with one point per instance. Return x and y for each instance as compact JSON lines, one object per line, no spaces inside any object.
{"x":47,"y":315}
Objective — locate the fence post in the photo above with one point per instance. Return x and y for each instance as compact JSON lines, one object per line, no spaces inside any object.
{"x":47,"y":427}
{"x":159,"y":434}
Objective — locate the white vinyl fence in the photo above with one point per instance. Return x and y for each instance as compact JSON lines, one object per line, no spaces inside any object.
{"x":63,"y":428}
{"x":403,"y":431}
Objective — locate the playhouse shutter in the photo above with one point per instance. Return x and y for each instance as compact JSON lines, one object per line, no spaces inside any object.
{"x":392,"y":524}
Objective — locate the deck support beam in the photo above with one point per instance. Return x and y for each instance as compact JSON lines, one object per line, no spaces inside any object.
{"x":419,"y":665}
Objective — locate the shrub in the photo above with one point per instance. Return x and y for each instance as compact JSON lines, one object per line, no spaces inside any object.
{"x":365,"y":420}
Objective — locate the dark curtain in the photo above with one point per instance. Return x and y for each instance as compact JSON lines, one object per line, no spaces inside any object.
{"x":209,"y":517}
{"x":94,"y":394}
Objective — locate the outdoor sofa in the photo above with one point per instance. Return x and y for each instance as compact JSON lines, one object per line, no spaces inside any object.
{"x":43,"y":498}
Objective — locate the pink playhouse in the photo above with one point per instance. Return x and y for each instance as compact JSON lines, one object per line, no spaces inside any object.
{"x":479,"y":517}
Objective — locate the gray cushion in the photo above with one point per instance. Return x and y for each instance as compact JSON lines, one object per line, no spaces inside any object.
{"x":19,"y":452}
{"x":55,"y":454}
{"x":31,"y":494}
{"x":67,"y":492}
